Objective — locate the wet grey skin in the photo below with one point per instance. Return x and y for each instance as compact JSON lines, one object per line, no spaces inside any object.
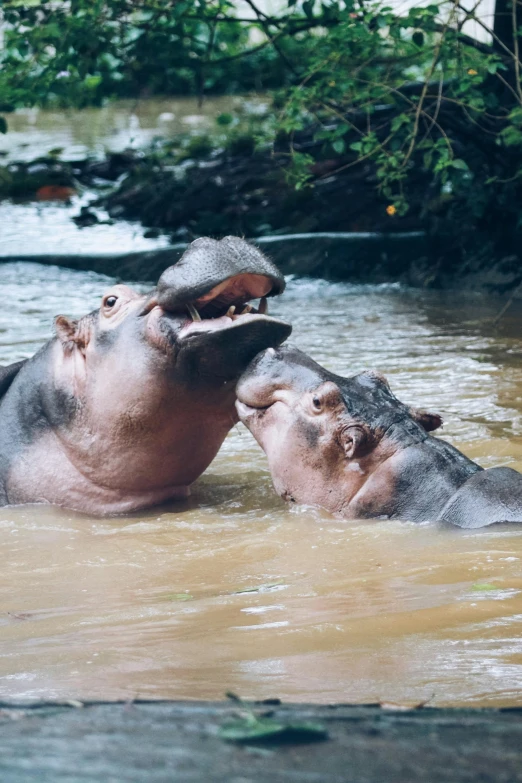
{"x":125,"y":407}
{"x":199,"y":270}
{"x":350,"y":446}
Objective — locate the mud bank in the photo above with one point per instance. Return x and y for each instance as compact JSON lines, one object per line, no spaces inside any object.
{"x":166,"y":741}
{"x":412,"y":258}
{"x":340,"y":228}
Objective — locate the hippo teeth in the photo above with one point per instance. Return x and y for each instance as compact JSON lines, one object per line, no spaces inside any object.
{"x":193,"y":312}
{"x":232,"y":310}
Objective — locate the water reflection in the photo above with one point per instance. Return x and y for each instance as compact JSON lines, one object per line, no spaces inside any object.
{"x":234,"y":589}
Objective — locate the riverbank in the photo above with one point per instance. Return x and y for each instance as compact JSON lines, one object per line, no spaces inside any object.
{"x":338,"y":228}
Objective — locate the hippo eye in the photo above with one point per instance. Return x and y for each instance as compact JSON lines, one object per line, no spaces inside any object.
{"x":110,"y":301}
{"x":316,"y":402}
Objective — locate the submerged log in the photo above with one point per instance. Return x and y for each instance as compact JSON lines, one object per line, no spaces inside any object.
{"x":409,"y":257}
{"x":167,"y":741}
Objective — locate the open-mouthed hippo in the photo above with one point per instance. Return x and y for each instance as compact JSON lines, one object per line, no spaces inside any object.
{"x":349,"y":445}
{"x":127,"y":406}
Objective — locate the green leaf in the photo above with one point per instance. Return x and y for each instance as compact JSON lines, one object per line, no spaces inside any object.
{"x":399,"y":121}
{"x":225,"y":118}
{"x":338,"y":146}
{"x":516,"y":115}
{"x":91,"y":82}
{"x":482,"y":587}
{"x":418,"y":38}
{"x":270,"y":730}
{"x":356,"y":146}
{"x":458,"y":163}
{"x":308,"y":8}
{"x":495,"y":65}
{"x":511,"y":136}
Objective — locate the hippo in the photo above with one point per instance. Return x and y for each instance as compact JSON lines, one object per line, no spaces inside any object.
{"x":124,"y":408}
{"x":350,"y":446}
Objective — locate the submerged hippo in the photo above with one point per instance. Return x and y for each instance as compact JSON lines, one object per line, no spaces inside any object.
{"x":349,"y":445}
{"x":127,"y":406}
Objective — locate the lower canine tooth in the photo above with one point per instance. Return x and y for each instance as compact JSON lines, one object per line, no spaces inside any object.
{"x":263,"y":306}
{"x":231,"y":310}
{"x":193,"y":312}
{"x":247,"y":309}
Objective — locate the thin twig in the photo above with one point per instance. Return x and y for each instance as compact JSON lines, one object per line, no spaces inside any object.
{"x":508,"y":304}
{"x":425,"y":88}
{"x":515,"y":48}
{"x":438,"y":105}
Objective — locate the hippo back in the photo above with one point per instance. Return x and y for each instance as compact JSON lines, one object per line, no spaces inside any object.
{"x":8,"y":374}
{"x":487,"y":497}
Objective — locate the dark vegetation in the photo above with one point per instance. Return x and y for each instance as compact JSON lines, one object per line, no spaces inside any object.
{"x":379,"y":120}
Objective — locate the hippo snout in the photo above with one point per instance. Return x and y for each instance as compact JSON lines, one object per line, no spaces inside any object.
{"x":214,"y":274}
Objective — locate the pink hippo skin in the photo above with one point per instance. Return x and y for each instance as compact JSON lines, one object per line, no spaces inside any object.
{"x":350,"y":446}
{"x":126,"y":407}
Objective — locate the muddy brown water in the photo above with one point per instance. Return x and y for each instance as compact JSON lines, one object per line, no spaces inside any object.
{"x":117,"y":125}
{"x":234,"y":590}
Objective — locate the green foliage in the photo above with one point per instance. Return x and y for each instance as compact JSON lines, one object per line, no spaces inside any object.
{"x":394,"y":90}
{"x":408,"y":94}
{"x":77,"y":53}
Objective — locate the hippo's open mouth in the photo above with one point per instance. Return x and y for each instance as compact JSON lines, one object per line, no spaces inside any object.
{"x":227,"y":307}
{"x":228,"y":304}
{"x":232,"y":297}
{"x":224,"y":306}
{"x":218,"y":333}
{"x":205,"y":311}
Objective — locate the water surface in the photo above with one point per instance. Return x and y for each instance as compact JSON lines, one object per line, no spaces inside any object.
{"x":122,"y":124}
{"x":236,"y":590}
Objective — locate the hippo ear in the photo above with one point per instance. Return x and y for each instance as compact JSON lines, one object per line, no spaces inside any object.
{"x":65,"y":328}
{"x":428,"y":421}
{"x":357,"y":440}
{"x":69,"y":332}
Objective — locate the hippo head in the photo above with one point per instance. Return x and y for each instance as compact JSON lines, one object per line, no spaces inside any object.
{"x":196,"y":327}
{"x":150,"y":380}
{"x":323,"y":435}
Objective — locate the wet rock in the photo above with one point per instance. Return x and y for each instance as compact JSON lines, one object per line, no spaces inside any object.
{"x":112,"y":168}
{"x":86,"y":218}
